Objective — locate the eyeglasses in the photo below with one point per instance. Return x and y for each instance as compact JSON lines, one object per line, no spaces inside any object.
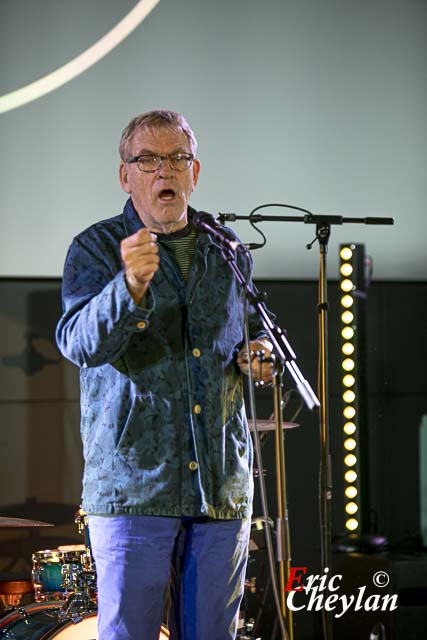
{"x":150,"y":163}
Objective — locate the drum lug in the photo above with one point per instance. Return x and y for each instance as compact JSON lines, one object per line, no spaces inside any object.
{"x":23,"y":613}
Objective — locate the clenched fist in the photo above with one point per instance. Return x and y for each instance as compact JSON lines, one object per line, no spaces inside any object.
{"x":140,"y":255}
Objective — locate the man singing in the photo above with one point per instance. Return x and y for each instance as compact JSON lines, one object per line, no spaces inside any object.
{"x":154,"y":318}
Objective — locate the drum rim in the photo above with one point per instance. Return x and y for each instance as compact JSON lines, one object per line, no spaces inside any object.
{"x":66,"y":623}
{"x":31,"y":607}
{"x":58,"y":554}
{"x":54,"y":552}
{"x":34,"y":607}
{"x":67,"y":548}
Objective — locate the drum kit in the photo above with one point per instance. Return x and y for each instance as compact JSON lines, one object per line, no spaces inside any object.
{"x":63,"y":588}
{"x":60,"y":600}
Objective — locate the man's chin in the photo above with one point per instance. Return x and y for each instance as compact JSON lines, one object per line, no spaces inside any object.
{"x":173,"y":217}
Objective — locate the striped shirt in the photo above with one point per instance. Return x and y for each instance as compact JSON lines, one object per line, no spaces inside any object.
{"x":180,"y":246}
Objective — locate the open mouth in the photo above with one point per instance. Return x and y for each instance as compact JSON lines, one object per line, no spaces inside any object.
{"x":166,"y":195}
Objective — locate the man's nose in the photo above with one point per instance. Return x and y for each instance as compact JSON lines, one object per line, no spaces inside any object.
{"x":165,"y":168}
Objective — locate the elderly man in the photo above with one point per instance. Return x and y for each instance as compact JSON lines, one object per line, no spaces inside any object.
{"x":154,"y":318}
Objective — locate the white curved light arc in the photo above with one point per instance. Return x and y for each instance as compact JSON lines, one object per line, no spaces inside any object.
{"x":75,"y":67}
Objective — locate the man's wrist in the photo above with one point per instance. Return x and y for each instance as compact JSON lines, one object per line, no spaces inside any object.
{"x":136,"y":290}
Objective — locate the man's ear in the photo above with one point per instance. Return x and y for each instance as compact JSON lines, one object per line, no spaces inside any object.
{"x":196,"y":170}
{"x":123,"y":177}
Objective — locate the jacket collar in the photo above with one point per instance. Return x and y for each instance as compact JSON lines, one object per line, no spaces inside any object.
{"x":132,"y":223}
{"x":131,"y":220}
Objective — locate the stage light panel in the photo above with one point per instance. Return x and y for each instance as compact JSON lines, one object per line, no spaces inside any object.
{"x":352,"y":286}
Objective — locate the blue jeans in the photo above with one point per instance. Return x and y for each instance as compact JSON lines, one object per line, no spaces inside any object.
{"x":136,"y":557}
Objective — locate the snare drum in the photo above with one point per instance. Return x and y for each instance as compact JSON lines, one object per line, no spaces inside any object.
{"x":47,"y":573}
{"x":41,"y":622}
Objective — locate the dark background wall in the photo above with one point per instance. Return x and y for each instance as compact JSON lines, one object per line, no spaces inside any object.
{"x":396,"y":352}
{"x":40,"y":453}
{"x":396,"y":400}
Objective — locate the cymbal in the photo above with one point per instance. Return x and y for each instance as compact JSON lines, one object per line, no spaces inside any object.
{"x":270,"y":425}
{"x":21,"y":522}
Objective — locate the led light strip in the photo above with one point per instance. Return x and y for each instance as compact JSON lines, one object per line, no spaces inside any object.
{"x":349,"y":382}
{"x":81,"y":63}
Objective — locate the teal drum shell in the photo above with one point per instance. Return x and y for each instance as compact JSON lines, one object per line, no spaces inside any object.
{"x":47,"y":573}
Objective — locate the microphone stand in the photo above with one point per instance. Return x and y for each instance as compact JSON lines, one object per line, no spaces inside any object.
{"x":323,"y":231}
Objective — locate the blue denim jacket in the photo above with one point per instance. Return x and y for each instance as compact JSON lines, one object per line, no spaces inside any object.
{"x":162,"y":417}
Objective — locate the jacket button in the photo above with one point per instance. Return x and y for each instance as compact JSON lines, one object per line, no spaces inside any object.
{"x":197,"y":408}
{"x":141,"y":325}
{"x":196,"y":352}
{"x":193,"y":465}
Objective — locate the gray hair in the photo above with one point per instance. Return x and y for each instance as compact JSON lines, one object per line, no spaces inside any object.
{"x":157,"y":119}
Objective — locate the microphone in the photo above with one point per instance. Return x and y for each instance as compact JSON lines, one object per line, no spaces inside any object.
{"x":206,"y":222}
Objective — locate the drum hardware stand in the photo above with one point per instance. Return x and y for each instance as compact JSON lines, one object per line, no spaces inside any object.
{"x":248,"y":629}
{"x":79,"y":583}
{"x":323,"y":230}
{"x":76,"y":605}
{"x":245,"y":629}
{"x":78,"y":586}
{"x":283,"y":539}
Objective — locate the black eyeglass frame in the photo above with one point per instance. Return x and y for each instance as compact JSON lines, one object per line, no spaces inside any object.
{"x":137,"y":159}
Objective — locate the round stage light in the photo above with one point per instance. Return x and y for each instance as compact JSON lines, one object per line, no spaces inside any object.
{"x":346,"y":253}
{"x":347,"y":301}
{"x":351,"y":508}
{"x":351,"y":492}
{"x":347,"y":333}
{"x":348,"y":380}
{"x":348,"y":364}
{"x":347,"y":348}
{"x":349,"y":396}
{"x":350,"y":444}
{"x":346,"y":285}
{"x":347,"y":317}
{"x":346,"y":269}
{"x":350,"y":460}
{"x":349,"y":412}
{"x":350,"y":476}
{"x":349,"y":428}
{"x":351,"y":524}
